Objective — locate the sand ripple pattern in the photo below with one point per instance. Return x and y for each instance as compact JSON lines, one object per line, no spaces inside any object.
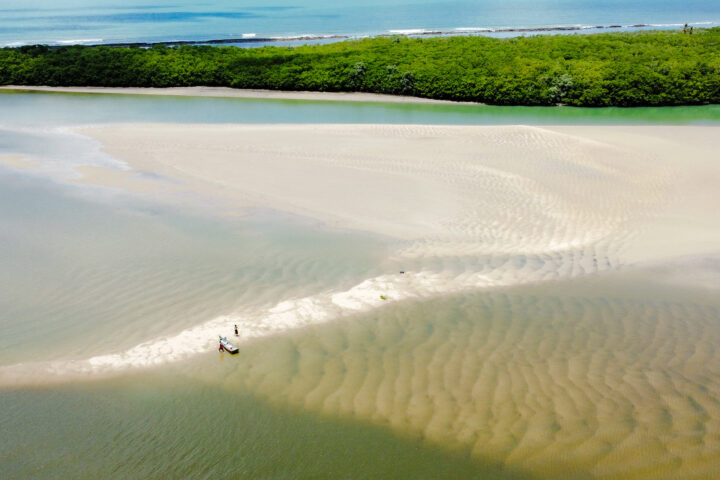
{"x":448,"y":190}
{"x":288,"y":315}
{"x":563,"y":386}
{"x":470,"y":207}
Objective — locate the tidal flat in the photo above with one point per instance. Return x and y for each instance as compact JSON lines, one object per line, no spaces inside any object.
{"x":414,"y":300}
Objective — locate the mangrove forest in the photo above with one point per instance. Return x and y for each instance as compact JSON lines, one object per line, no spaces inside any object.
{"x":609,"y":69}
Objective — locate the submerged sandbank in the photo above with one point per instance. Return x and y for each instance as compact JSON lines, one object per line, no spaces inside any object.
{"x":467,"y":208}
{"x":541,"y":321}
{"x":567,"y":380}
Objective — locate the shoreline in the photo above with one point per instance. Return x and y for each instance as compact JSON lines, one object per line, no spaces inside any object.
{"x":227,"y":92}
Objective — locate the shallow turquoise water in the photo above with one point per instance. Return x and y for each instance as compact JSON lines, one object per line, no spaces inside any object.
{"x":19,"y":109}
{"x":70,"y":21}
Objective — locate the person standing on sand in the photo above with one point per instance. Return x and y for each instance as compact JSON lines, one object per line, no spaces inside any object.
{"x":236,"y":332}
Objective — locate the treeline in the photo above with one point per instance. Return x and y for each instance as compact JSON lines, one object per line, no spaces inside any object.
{"x":612,"y":69}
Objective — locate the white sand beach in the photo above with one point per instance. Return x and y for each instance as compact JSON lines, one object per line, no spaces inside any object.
{"x":560,"y":386}
{"x":445,"y":189}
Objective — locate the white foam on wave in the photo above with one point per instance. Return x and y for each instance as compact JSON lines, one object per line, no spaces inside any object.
{"x":79,"y":41}
{"x":286,"y":315}
{"x":474,"y":29}
{"x":303,"y":36}
{"x":408,"y":31}
{"x":712,"y":23}
{"x":297,"y":313}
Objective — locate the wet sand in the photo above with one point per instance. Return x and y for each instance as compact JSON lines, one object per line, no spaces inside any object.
{"x":586,"y":380}
{"x":467,"y":208}
{"x":227,"y":92}
{"x":558,"y":314}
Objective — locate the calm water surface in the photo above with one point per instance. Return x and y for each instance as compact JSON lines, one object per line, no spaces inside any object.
{"x":610,"y":377}
{"x":97,"y":21}
{"x":35,"y":109}
{"x":567,"y":380}
{"x":88,"y":276}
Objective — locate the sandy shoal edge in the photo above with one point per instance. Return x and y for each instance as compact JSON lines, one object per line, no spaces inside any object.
{"x":226,"y":92}
{"x":18,"y":162}
{"x":630,"y":153}
{"x":412,"y":190}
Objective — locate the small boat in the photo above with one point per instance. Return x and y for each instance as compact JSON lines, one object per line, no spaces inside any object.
{"x":227,"y":346}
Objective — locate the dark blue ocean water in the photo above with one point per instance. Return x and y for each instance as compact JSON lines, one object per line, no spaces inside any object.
{"x":106,"y":21}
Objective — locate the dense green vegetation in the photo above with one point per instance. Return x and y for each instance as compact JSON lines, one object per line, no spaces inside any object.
{"x":622,"y":69}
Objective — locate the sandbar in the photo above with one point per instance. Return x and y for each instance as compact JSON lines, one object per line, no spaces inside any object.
{"x":447,"y":190}
{"x":226,"y":92}
{"x":543,"y":352}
